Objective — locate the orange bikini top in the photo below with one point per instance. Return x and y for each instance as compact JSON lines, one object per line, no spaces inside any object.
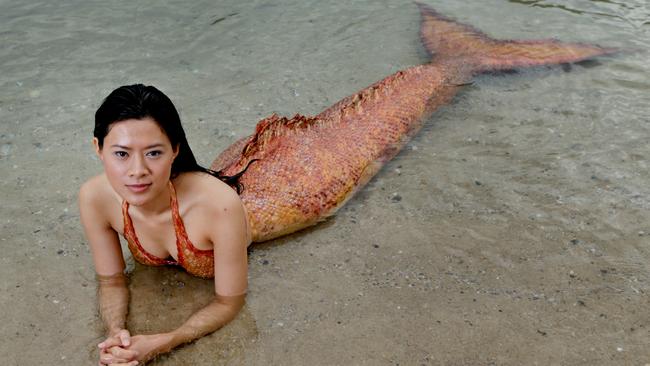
{"x":195,"y":261}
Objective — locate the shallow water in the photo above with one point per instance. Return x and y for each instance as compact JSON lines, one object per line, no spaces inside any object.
{"x":512,"y":230}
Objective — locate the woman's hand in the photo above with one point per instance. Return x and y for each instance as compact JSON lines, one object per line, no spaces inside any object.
{"x":113,"y":350}
{"x":123,"y":350}
{"x":149,"y":346}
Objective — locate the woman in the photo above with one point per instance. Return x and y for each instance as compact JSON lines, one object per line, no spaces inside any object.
{"x":169,"y":209}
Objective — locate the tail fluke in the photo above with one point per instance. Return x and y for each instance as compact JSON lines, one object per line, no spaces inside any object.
{"x":445,"y":39}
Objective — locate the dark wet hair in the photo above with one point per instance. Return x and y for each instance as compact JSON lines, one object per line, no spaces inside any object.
{"x":138,"y":102}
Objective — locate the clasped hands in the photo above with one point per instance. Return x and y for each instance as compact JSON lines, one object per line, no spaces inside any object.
{"x":122,"y":349}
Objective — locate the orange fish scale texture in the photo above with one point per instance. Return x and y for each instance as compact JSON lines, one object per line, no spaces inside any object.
{"x":308,"y":167}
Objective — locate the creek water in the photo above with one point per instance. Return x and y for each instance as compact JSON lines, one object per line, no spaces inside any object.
{"x":513,"y":229}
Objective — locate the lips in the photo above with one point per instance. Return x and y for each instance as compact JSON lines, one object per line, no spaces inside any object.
{"x":138,"y":188}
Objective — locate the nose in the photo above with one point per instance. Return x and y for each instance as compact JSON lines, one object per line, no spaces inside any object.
{"x":138,"y":167}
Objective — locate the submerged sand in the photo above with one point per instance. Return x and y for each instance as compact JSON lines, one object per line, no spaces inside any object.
{"x":513,"y":230}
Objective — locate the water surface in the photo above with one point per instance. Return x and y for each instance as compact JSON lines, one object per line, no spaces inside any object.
{"x":512,"y":230}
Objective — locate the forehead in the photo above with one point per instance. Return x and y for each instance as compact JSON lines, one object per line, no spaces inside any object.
{"x":136,"y":132}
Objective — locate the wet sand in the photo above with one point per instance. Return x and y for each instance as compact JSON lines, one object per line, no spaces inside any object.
{"x":513,"y":230}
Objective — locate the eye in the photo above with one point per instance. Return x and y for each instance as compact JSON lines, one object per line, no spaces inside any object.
{"x":121,"y":154}
{"x":154,"y":153}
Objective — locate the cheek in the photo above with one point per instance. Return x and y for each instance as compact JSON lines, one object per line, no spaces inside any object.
{"x":113,"y":168}
{"x":167,"y":174}
{"x":160,"y":165}
{"x":114,"y":175}
{"x":160,"y":171}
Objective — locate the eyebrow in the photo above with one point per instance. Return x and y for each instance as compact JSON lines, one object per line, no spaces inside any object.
{"x":146,"y":148}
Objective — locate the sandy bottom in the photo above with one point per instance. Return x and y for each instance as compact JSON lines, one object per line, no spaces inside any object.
{"x":513,"y":230}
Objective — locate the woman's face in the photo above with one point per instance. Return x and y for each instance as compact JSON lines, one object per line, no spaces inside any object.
{"x":137,"y":157}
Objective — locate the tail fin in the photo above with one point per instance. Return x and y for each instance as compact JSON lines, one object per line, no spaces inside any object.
{"x":446,"y":39}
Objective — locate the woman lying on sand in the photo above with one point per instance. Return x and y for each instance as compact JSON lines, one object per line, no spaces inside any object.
{"x":169,"y":209}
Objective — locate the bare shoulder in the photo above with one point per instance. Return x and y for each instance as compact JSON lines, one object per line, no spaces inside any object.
{"x":95,"y":190}
{"x":97,"y":207}
{"x":214,"y":207}
{"x":209,"y":193}
{"x":96,"y":198}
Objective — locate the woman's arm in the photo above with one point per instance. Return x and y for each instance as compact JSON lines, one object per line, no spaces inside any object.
{"x":230,"y":238}
{"x":107,"y":257}
{"x":205,"y":321}
{"x":113,"y":293}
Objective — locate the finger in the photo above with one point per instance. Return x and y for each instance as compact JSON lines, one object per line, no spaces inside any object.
{"x":123,"y":354}
{"x":110,"y":342}
{"x":125,"y":337}
{"x":109,"y":359}
{"x":114,"y":361}
{"x":103,"y":360}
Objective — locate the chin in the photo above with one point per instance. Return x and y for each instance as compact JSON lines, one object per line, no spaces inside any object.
{"x":142,"y":198}
{"x":136,"y":200}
